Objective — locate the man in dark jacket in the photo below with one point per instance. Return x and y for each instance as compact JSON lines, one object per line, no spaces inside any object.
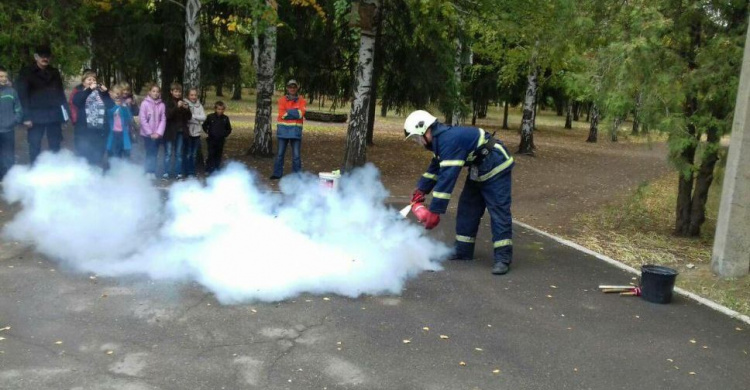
{"x":40,"y":89}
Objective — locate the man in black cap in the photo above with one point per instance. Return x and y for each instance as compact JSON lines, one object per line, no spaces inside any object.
{"x":40,"y":90}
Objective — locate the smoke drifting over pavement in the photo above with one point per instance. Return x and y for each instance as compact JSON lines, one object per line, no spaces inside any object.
{"x":233,"y":236}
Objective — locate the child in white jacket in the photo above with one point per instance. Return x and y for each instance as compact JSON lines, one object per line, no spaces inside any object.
{"x":193,"y":139}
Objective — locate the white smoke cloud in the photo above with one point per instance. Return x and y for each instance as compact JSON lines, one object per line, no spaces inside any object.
{"x":234,"y":236}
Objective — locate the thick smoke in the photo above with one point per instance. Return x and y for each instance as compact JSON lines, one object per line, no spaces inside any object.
{"x":232,"y":235}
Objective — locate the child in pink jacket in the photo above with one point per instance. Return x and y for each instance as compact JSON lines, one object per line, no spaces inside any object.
{"x":153,"y":121}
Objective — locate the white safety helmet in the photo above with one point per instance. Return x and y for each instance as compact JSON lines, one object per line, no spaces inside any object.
{"x":417,"y":123}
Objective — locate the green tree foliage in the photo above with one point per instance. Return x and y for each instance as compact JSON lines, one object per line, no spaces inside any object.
{"x":317,"y":47}
{"x":62,"y":24}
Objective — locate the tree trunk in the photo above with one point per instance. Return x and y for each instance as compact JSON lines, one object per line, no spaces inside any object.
{"x":456,"y":114}
{"x":505,"y":116}
{"x":377,"y":69}
{"x":527,"y":124}
{"x":686,"y":158}
{"x":594,"y":128}
{"x":355,"y":154}
{"x":636,"y":113}
{"x":483,"y":107}
{"x":589,"y":108}
{"x":616,"y":122}
{"x":569,"y":116}
{"x":474,"y":112}
{"x":560,"y":106}
{"x":237,"y":93}
{"x":220,"y":87}
{"x":703,"y":181}
{"x":192,"y":74}
{"x":685,"y":187}
{"x":262,"y":143}
{"x":576,"y":111}
{"x":372,"y":107}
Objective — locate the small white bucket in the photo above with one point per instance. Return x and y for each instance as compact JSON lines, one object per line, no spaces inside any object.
{"x":329,"y":180}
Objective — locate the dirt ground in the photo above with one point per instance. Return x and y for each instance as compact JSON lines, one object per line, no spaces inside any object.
{"x":566,"y":177}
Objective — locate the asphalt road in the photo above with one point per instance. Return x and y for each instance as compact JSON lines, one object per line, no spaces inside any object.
{"x":542,"y":326}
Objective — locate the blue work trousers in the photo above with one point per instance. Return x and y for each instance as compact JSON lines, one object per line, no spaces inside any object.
{"x":493,"y":195}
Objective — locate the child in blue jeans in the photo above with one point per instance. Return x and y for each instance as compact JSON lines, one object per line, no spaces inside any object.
{"x":193,"y":138}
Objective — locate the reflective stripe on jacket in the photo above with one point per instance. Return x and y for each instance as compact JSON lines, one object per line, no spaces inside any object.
{"x":291,"y":116}
{"x":454,"y":148}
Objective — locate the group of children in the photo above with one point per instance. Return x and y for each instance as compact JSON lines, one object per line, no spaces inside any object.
{"x":174,"y":126}
{"x":105,"y":126}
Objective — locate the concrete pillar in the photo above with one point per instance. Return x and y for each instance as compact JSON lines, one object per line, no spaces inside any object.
{"x":731,"y":256}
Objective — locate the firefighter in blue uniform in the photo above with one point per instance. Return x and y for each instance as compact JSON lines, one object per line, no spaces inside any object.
{"x":487,"y":185}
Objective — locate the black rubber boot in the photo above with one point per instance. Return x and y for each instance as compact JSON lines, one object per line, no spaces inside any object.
{"x":500,"y":268}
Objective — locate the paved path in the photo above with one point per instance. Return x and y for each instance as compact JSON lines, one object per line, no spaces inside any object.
{"x":543,"y":326}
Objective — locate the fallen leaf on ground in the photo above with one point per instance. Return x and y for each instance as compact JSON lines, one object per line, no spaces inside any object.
{"x":692,"y":341}
{"x":253,"y":310}
{"x":407,"y":341}
{"x":444,"y":337}
{"x":110,"y":352}
{"x":326,"y":299}
{"x":58,"y":342}
{"x":426,"y":329}
{"x":575,"y":369}
{"x":495,"y":371}
{"x":553,"y":286}
{"x":692,"y":373}
{"x":670,"y":360}
{"x":2,"y":338}
{"x":461,"y":363}
{"x":6,"y":328}
{"x":738,"y":328}
{"x":478,"y":349}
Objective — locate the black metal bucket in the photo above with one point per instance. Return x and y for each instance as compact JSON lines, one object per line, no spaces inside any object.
{"x":657,"y":283}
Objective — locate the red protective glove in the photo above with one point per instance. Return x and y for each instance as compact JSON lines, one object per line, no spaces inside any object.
{"x":418,"y":196}
{"x":425,"y":216}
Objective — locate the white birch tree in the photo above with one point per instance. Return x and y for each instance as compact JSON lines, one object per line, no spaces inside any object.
{"x":265,"y":54}
{"x":355,"y":154}
{"x":192,"y":75}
